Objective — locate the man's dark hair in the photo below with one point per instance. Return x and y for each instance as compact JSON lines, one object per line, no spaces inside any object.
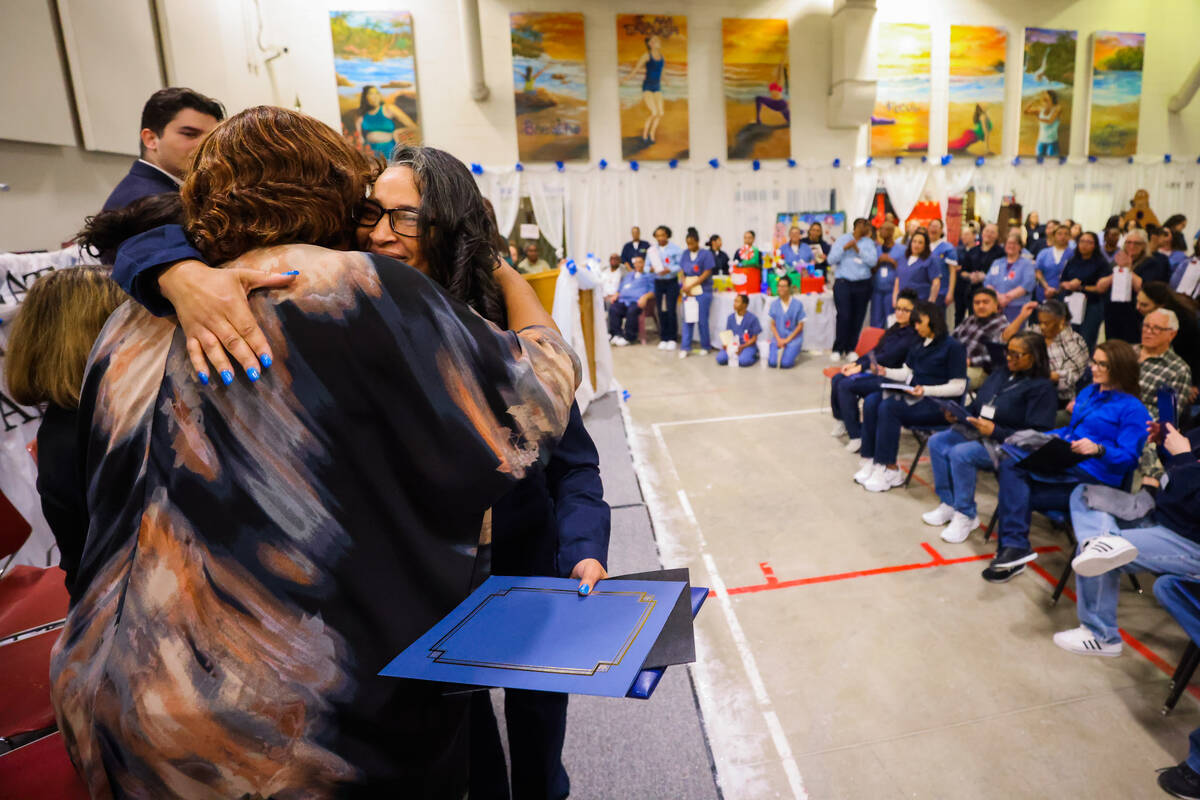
{"x":164,"y":104}
{"x":989,"y":291}
{"x":908,"y":294}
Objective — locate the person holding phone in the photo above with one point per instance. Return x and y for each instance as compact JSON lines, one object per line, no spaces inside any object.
{"x":1016,"y":396}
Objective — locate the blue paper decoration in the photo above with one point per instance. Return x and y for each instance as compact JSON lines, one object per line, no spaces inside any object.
{"x":755,"y":165}
{"x":1092,"y":159}
{"x":899,"y":159}
{"x":1016,"y":161}
{"x":1167,"y":158}
{"x":603,"y":164}
{"x":520,"y":167}
{"x":979,"y":161}
{"x":837,"y":162}
{"x":476,"y":168}
{"x":633,"y":165}
{"x":791,"y":162}
{"x":560,"y":165}
{"x":946,"y":159}
{"x":712,"y":162}
{"x":1130,"y":159}
{"x":1062,"y":159}
{"x":870,"y":161}
{"x":924,"y":159}
{"x":673,"y":163}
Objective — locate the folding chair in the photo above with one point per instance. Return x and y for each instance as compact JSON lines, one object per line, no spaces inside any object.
{"x":866,"y":343}
{"x":25,"y":705}
{"x":14,"y":531}
{"x":922,"y":435}
{"x":1183,"y":676}
{"x":40,"y":769}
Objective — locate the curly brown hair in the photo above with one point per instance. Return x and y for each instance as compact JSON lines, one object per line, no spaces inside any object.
{"x":270,"y":176}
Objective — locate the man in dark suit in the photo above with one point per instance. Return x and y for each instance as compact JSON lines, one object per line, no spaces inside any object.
{"x":174,"y":122}
{"x":635,"y":247}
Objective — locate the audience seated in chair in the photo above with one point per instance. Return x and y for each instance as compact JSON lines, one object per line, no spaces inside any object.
{"x":634,"y":294}
{"x":1067,"y":349}
{"x":1160,"y":367}
{"x":983,"y":326}
{"x":786,"y":314}
{"x":856,"y":380}
{"x":1107,"y":428}
{"x":935,"y":367}
{"x":1181,"y":598}
{"x":1016,"y":396}
{"x":741,"y":330}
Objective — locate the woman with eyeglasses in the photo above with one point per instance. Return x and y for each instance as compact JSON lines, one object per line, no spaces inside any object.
{"x":1121,"y":319}
{"x":1107,"y":431}
{"x":1016,"y":396}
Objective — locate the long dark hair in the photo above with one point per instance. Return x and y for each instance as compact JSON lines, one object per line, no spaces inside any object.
{"x":1035,"y":343}
{"x":456,"y":233}
{"x":924,"y":235}
{"x":362,"y":98}
{"x":931,"y":312}
{"x":1123,"y":367}
{"x":103,"y":233}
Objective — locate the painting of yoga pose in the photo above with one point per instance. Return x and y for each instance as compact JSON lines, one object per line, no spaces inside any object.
{"x":758,"y":116}
{"x":652,"y":58}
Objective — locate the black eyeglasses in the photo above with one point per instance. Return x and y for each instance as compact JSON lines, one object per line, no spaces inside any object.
{"x":1014,"y":354}
{"x":403,"y":221}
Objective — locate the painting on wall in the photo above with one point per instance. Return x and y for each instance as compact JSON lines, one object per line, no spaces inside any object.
{"x":900,"y":121}
{"x":758,"y":116}
{"x":652,"y":70}
{"x":1116,"y":93}
{"x":376,"y":79}
{"x":1047,"y":89}
{"x":976,"y":111}
{"x":550,"y":82}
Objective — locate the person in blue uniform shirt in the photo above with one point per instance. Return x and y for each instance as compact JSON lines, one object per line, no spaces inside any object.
{"x":947,"y":259}
{"x":786,"y":314}
{"x":918,"y":269}
{"x":796,"y":252}
{"x":636,"y":246}
{"x":1050,"y":261}
{"x":662,"y":261}
{"x":853,"y":256}
{"x":174,"y":123}
{"x":696,"y":267}
{"x":891,"y":253}
{"x":635,"y":292}
{"x":1013,"y":277}
{"x":745,"y":328}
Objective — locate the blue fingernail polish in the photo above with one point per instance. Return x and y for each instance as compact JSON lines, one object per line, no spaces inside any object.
{"x":226,"y":377}
{"x":266,"y":360}
{"x":252,"y":374}
{"x":292,"y":272}
{"x":584,"y":589}
{"x":203,"y":376}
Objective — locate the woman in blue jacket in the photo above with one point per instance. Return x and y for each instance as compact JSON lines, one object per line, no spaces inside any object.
{"x":696,"y":266}
{"x":1017,"y":396}
{"x":919,"y":270}
{"x":1108,"y":427}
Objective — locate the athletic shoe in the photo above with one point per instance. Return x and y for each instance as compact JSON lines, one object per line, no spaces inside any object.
{"x":994,"y":575}
{"x":662,"y":345}
{"x":854,"y":445}
{"x":1010,"y":557}
{"x":884,"y":479}
{"x":866,"y":468}
{"x":620,"y":341}
{"x":839,"y":429}
{"x":671,"y":345}
{"x":835,"y":356}
{"x":959,"y":528}
{"x":1082,"y":641}
{"x":683,"y":353}
{"x":1180,"y":781}
{"x":1102,"y":554}
{"x":939,"y":516}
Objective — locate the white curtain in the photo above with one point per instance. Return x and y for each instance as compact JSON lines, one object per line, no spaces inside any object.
{"x":547,"y":194}
{"x":953,"y":181}
{"x":904,"y":184}
{"x":503,"y":189}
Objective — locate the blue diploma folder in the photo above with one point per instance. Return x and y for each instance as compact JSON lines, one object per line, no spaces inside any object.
{"x":647,"y":680}
{"x":541,"y":634}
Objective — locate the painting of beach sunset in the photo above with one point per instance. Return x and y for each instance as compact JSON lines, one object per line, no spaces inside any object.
{"x":1116,"y":93}
{"x":376,"y":79}
{"x":1047,"y":89}
{"x":758,"y":115}
{"x":976,"y":112}
{"x":550,"y":86}
{"x":652,"y":86}
{"x":900,"y":121}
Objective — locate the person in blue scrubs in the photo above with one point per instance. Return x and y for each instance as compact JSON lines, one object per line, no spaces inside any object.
{"x":891,"y":253}
{"x":918,"y":269}
{"x":947,"y":259}
{"x":1050,"y":261}
{"x":1013,"y":277}
{"x":696,"y":266}
{"x":662,"y":259}
{"x":745,"y":328}
{"x":787,"y":326}
{"x":796,"y":253}
{"x":634,"y":294}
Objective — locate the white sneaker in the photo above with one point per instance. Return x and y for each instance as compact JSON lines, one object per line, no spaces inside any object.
{"x":662,"y":345}
{"x":884,"y":479}
{"x":671,"y":345}
{"x":939,"y":516}
{"x":1102,"y":554}
{"x":959,"y":528}
{"x":620,"y":341}
{"x":866,"y":467}
{"x":854,"y":445}
{"x":1083,"y":642}
{"x":683,"y":353}
{"x":839,"y":429}
{"x":835,"y":356}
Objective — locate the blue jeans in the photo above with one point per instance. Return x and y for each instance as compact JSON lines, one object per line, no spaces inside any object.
{"x":1022,"y":491}
{"x":746,"y":358}
{"x":791,"y":351}
{"x":883,"y":417}
{"x":666,"y":297}
{"x":705,"y":301}
{"x":955,"y":460}
{"x":1160,"y":551}
{"x":846,"y":392}
{"x":1181,"y":599}
{"x":1047,"y":148}
{"x":881,"y":306}
{"x":628,"y":314}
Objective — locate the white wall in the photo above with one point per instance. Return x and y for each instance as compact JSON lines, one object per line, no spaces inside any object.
{"x":213,"y":47}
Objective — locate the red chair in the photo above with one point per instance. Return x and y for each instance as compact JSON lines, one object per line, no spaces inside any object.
{"x":32,"y":598}
{"x":866,"y":343}
{"x":40,"y":769}
{"x":14,"y":531}
{"x":25,"y":702}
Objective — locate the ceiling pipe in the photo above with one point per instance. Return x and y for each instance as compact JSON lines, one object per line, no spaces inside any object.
{"x":1186,"y":92}
{"x":473,"y":40}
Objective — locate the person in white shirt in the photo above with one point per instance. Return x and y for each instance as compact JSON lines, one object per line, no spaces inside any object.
{"x":610,"y":279}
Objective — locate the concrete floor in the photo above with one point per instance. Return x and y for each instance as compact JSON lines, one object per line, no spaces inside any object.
{"x":817,"y":680}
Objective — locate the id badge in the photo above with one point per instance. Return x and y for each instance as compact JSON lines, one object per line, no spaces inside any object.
{"x":987,"y":412}
{"x":883,"y":272}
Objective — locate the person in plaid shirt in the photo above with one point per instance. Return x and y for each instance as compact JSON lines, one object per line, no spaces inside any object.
{"x":1160,"y":366}
{"x":1068,"y":351}
{"x":984,"y":325}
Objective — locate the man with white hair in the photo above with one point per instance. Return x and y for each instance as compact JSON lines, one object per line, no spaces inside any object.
{"x":1160,"y":366}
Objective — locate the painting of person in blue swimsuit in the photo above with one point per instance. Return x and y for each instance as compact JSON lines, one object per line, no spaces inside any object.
{"x":380,"y":125}
{"x":652,"y":60}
